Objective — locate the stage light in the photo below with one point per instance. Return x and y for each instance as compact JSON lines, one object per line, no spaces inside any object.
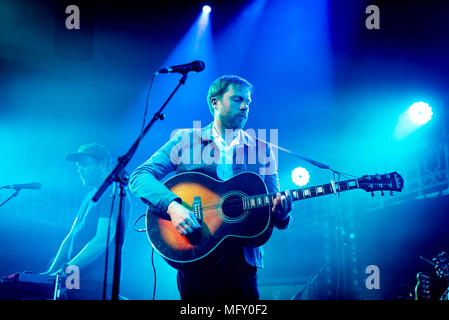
{"x":420,"y":113}
{"x":300,"y":176}
{"x":207,"y":9}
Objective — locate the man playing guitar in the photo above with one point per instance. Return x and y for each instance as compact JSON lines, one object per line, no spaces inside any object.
{"x":234,"y":274}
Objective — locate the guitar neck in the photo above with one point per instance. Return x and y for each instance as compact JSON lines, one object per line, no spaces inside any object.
{"x":301,"y":194}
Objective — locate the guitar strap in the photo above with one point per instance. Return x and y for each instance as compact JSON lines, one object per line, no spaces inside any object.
{"x":313,"y":162}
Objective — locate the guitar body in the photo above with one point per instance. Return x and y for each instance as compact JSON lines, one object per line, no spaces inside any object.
{"x":224,"y":220}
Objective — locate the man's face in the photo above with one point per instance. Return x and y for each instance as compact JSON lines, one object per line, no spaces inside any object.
{"x":90,"y":171}
{"x":233,"y":107}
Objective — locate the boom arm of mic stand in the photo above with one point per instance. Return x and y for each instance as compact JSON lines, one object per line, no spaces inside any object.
{"x":118,"y":175}
{"x":124,"y":160}
{"x":12,"y":196}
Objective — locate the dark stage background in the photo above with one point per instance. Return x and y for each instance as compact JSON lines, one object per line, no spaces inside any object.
{"x":333,"y":89}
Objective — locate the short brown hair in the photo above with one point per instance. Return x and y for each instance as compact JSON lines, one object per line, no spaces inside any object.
{"x":218,"y":88}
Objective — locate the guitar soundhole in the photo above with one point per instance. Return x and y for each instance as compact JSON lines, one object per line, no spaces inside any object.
{"x":232,"y":207}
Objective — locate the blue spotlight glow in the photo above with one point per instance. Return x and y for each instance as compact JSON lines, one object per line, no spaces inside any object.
{"x":207,"y":9}
{"x":300,"y":176}
{"x":420,"y":113}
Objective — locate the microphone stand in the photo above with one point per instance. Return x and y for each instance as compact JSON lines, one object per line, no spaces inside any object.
{"x":12,"y":196}
{"x":308,"y":283}
{"x":119,"y":176}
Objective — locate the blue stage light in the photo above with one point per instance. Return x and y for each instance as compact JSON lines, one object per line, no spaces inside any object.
{"x":420,"y":113}
{"x":300,"y":176}
{"x":207,"y":9}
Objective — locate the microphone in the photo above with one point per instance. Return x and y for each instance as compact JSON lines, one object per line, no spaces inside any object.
{"x":196,"y":66}
{"x":33,"y":185}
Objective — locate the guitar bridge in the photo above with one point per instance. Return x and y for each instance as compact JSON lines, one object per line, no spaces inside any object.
{"x":197,"y":210}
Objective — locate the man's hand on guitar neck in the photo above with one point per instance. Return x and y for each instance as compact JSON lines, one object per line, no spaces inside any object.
{"x":182,"y":218}
{"x":283,"y":204}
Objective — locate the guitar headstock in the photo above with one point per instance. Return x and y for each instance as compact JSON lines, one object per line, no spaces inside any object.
{"x":442,"y":265}
{"x":381,"y":182}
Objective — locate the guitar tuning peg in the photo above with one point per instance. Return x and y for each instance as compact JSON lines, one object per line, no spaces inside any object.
{"x":372,"y":193}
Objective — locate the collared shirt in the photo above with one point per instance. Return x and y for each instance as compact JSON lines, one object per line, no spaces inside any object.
{"x":224,"y":165}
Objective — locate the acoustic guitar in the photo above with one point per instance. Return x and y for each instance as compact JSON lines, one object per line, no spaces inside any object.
{"x":234,"y":212}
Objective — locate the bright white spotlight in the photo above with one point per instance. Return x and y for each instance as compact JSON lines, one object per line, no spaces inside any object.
{"x":207,"y":9}
{"x":300,"y":176}
{"x":420,"y":113}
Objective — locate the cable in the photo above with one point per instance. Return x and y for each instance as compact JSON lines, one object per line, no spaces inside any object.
{"x":154,"y":272}
{"x":152,"y":255}
{"x":139,"y":230}
{"x":147,"y":103}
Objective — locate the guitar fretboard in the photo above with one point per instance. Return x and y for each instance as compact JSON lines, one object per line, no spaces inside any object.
{"x":301,"y":194}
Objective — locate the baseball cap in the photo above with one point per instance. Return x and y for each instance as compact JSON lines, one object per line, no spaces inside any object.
{"x":95,"y":150}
